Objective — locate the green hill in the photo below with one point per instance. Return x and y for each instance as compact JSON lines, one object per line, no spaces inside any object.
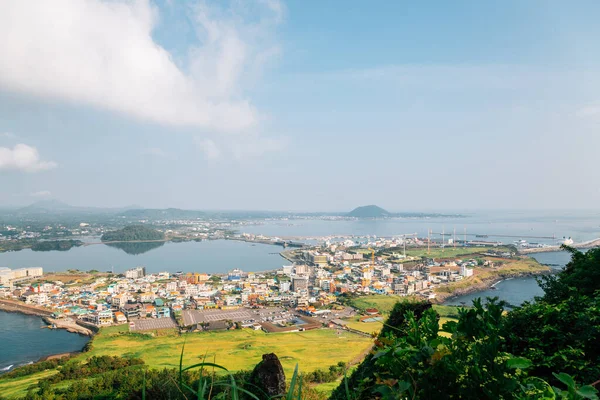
{"x":133,"y":233}
{"x":370,"y":211}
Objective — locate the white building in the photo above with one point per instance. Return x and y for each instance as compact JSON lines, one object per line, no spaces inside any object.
{"x":136,"y":273}
{"x":12,"y":275}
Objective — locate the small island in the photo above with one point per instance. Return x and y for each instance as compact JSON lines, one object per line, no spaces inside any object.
{"x":370,"y":211}
{"x":133,"y":233}
{"x":58,"y":245}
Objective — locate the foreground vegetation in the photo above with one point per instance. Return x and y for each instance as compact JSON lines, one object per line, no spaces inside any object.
{"x":236,"y":350}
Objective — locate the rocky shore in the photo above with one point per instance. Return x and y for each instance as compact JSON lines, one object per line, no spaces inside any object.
{"x":486,"y":284}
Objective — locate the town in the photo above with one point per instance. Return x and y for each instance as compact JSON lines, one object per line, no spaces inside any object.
{"x":306,"y":294}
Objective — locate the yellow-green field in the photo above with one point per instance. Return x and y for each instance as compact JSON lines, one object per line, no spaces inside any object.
{"x":235,"y":350}
{"x":17,"y":387}
{"x":450,"y":252}
{"x":381,"y":302}
{"x":366,"y":327}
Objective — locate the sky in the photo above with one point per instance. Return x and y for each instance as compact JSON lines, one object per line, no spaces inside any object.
{"x":300,"y":105}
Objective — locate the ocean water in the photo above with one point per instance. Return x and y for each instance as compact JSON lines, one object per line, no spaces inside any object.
{"x":579,"y":225}
{"x":518,"y":290}
{"x":215,"y":256}
{"x":23,"y":339}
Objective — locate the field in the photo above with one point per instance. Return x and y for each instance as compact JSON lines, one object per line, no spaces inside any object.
{"x":235,"y":350}
{"x":18,"y":386}
{"x":381,"y":302}
{"x":450,"y":252}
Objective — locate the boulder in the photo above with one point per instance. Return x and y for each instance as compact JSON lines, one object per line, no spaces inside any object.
{"x":269,"y":377}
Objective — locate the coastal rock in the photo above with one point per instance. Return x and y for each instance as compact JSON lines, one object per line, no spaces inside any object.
{"x":269,"y":377}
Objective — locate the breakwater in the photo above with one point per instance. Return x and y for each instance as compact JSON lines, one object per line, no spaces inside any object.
{"x":16,"y":306}
{"x":590,"y":244}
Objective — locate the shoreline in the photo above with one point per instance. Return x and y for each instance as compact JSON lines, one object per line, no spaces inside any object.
{"x":441,"y":298}
{"x":45,"y":318}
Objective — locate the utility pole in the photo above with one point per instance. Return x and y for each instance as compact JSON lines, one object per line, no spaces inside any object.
{"x":454,"y":238}
{"x":428,"y":239}
{"x":443,"y":237}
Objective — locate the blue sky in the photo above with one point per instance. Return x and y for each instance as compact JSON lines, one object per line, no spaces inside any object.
{"x":300,"y":105}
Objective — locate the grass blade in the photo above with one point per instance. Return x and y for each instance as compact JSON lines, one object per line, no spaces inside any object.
{"x":290,"y":394}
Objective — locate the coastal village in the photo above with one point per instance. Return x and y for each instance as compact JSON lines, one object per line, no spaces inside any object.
{"x":306,"y":294}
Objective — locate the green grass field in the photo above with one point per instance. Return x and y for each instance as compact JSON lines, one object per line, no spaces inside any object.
{"x":450,"y":252}
{"x":235,"y":350}
{"x":17,"y":387}
{"x":385,"y":304}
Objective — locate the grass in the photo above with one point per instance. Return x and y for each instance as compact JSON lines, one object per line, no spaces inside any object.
{"x":17,"y":387}
{"x":366,"y":327}
{"x":381,"y":302}
{"x":449,"y":252}
{"x":235,"y":350}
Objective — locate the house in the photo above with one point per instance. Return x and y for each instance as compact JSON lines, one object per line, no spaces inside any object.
{"x":132,"y":310}
{"x":149,"y":311}
{"x":371,"y":311}
{"x":104,"y":317}
{"x":120,"y":318}
{"x":147,"y":297}
{"x":163,"y":312}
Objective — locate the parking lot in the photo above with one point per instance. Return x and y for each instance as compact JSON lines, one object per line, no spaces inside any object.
{"x":245,"y":315}
{"x":192,"y":317}
{"x":152,"y":324}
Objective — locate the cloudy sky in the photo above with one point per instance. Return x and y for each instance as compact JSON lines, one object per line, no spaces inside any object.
{"x":300,"y":105}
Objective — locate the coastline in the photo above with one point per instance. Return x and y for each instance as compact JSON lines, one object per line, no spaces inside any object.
{"x":441,"y":298}
{"x":33,"y":312}
{"x":590,"y":244}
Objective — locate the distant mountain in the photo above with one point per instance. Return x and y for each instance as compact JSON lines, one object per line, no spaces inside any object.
{"x":46,"y":205}
{"x":168,"y":213}
{"x":370,"y":211}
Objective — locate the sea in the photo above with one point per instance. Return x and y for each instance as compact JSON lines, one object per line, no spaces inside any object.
{"x":22,"y":339}
{"x":25,"y":339}
{"x":212,"y":256}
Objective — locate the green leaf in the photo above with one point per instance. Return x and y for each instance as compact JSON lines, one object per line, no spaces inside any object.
{"x":588,"y":392}
{"x":518,"y":362}
{"x":565,"y":378}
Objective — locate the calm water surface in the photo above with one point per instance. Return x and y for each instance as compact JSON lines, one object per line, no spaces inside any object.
{"x":215,"y":256}
{"x":518,"y":290}
{"x":23,"y":339}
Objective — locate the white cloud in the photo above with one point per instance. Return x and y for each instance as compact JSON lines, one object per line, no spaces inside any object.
{"x":209,"y":148}
{"x":102,"y":53}
{"x":23,"y":158}
{"x":7,"y":135}
{"x":41,"y":193}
